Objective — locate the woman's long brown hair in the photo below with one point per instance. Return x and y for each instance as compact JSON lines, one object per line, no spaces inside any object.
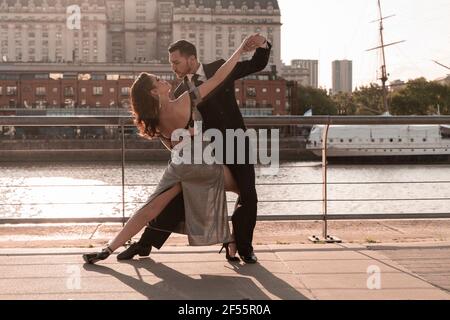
{"x":145,"y":107}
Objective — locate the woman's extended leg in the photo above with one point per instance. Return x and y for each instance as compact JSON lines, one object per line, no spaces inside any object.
{"x":140,"y":219}
{"x":136,"y":223}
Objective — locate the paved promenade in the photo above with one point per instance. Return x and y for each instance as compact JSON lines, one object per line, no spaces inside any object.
{"x":44,"y":262}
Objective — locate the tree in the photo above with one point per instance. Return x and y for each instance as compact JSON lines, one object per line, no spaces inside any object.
{"x":368,"y":100}
{"x":345,"y":103}
{"x":316,"y":99}
{"x":421,"y":97}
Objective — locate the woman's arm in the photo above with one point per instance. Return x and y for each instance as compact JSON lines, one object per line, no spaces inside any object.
{"x":225,"y":70}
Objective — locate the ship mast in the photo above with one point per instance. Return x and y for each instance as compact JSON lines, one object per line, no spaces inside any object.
{"x":384,"y":74}
{"x":384,"y":77}
{"x":442,"y":65}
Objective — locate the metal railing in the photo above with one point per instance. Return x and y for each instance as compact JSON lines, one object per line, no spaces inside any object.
{"x":279,"y":121}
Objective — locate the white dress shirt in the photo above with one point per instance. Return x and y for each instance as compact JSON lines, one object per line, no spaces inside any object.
{"x":200,"y":72}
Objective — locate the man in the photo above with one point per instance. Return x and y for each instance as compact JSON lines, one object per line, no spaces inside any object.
{"x":221,"y":112}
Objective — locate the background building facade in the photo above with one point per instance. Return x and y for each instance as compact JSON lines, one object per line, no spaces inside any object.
{"x":342,"y":73}
{"x":304,"y":72}
{"x":132,"y":31}
{"x":218,"y":27}
{"x":37,"y":31}
{"x":48,"y":63}
{"x":138,"y":30}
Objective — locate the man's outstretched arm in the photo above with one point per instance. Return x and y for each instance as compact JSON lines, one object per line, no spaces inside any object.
{"x":257,"y":63}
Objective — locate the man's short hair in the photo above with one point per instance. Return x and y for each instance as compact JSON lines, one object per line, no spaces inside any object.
{"x":185,"y":47}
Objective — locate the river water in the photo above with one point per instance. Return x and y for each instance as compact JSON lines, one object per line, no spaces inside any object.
{"x":69,"y":190}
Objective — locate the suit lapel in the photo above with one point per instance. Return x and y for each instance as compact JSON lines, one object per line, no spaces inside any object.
{"x":208,"y":71}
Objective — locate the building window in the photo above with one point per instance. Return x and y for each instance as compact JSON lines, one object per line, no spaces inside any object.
{"x":40,"y":91}
{"x":97,"y":91}
{"x":278,"y":90}
{"x":11,"y":91}
{"x":278,"y":102}
{"x":83,"y":90}
{"x":125,"y":91}
{"x":251,"y":103}
{"x":251,"y":92}
{"x":264,"y":90}
{"x":69,"y":92}
{"x":1,"y":91}
{"x":111,"y":90}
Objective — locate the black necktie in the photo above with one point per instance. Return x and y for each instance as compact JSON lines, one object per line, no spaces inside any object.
{"x":196,"y":81}
{"x":186,"y":82}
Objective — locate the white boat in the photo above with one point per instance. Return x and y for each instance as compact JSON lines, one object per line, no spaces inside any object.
{"x":381,"y":140}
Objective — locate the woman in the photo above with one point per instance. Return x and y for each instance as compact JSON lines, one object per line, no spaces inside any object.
{"x":203,"y":186}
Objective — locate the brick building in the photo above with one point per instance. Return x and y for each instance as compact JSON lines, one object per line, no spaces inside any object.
{"x":107,"y":88}
{"x":262,"y":95}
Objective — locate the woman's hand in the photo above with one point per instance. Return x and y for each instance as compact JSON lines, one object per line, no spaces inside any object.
{"x":249,"y":44}
{"x":252,"y":42}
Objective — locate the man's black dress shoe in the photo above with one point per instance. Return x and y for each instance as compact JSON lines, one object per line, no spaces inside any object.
{"x":251,"y":258}
{"x":134,"y":249}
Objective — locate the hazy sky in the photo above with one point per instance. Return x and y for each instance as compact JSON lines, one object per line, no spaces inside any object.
{"x":330,"y":30}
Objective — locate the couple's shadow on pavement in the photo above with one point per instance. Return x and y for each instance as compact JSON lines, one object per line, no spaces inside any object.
{"x":175,"y":285}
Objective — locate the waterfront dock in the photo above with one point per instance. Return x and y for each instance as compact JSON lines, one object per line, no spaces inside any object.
{"x":395,"y":259}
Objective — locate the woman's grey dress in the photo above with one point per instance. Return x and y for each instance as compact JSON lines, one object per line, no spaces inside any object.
{"x":205,"y":202}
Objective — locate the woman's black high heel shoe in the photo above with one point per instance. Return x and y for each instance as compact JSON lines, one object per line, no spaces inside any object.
{"x":227,"y":253}
{"x":92,"y":258}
